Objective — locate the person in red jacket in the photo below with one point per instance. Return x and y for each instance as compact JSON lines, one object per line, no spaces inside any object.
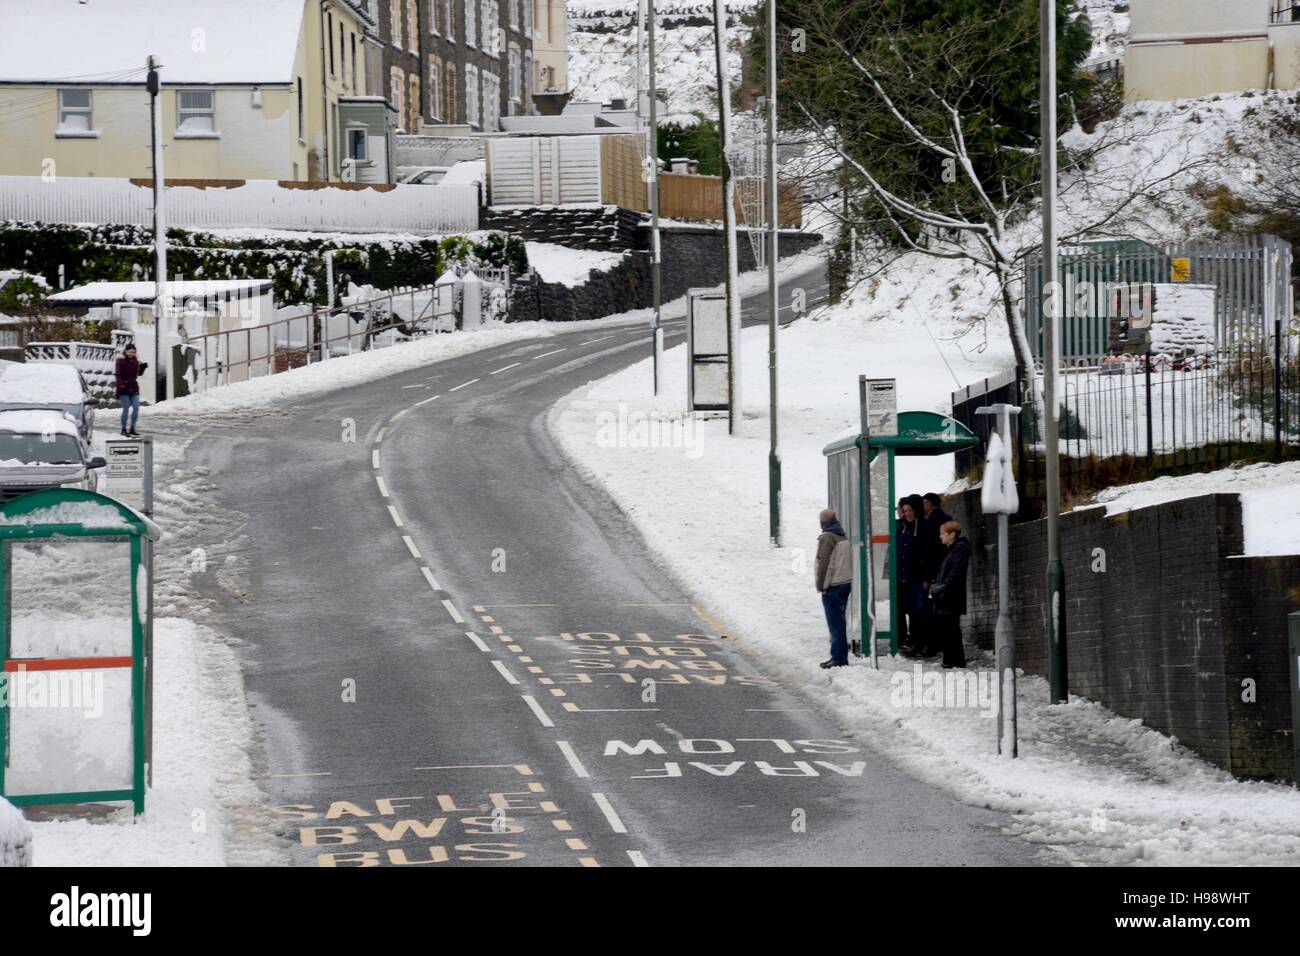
{"x":126,"y":373}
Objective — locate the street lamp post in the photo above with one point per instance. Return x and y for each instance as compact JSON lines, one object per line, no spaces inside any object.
{"x":773,"y":306}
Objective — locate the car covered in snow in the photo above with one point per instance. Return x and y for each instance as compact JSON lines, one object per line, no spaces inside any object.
{"x":49,"y":385}
{"x":44,"y":448}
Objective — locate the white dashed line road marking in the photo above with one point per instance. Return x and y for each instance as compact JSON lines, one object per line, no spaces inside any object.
{"x":383,"y":488}
{"x":572,"y":757}
{"x":451,"y":609}
{"x":397,"y":519}
{"x":478,"y":642}
{"x":400,"y":414}
{"x":544,"y":354}
{"x":380,"y":437}
{"x":374,"y":458}
{"x":598,"y":339}
{"x":425,"y":401}
{"x":607,"y":808}
{"x":462,"y":385}
{"x":637,"y":858}
{"x":536,"y":708}
{"x":501,"y":669}
{"x":410,"y":546}
{"x":506,"y":369}
{"x":428,"y":576}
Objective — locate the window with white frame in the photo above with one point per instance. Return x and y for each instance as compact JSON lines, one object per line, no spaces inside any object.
{"x":435,"y":87}
{"x":471,"y":24}
{"x":448,"y":19}
{"x":357,"y":144}
{"x":528,"y":17}
{"x":413,"y":103}
{"x":527,"y":76}
{"x":452,"y":102}
{"x":471,"y":95}
{"x":491,"y":22}
{"x":513,"y":75}
{"x":395,"y":21}
{"x":412,"y":26}
{"x":74,"y":111}
{"x":491,"y":101}
{"x":397,"y":92}
{"x":196,"y":111}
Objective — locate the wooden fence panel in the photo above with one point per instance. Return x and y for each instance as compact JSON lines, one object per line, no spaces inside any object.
{"x":699,"y":199}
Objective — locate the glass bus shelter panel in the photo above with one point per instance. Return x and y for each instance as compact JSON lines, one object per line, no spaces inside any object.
{"x":70,"y":598}
{"x":70,"y":731}
{"x":882,"y":521}
{"x":844,"y":499}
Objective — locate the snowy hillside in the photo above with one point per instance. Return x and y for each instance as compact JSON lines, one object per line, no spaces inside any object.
{"x":602,"y":51}
{"x":1110,"y":24}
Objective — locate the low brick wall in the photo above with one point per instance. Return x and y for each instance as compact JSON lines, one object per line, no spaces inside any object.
{"x":608,"y":228}
{"x":1167,"y":632}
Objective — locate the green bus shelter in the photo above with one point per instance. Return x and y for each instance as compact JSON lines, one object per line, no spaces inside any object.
{"x":74,"y":645}
{"x":919,"y":433}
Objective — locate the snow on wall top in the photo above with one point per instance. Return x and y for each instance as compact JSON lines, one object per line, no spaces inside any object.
{"x":146,"y":291}
{"x":241,"y":41}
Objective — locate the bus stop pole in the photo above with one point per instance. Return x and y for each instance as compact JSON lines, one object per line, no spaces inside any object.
{"x":868,"y":618}
{"x":1004,"y":638}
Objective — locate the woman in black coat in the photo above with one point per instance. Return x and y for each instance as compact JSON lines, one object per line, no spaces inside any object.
{"x":948,"y":592}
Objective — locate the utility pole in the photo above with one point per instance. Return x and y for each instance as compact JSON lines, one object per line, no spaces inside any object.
{"x":640,"y":62}
{"x":153,"y":84}
{"x":773,"y":306}
{"x":735,"y":411}
{"x":656,"y":330}
{"x":1057,"y":658}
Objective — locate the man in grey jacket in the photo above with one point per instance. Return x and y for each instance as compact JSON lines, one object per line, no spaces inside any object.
{"x":834,"y":578}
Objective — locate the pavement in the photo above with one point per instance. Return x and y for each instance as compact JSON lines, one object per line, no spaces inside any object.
{"x":459,"y":652}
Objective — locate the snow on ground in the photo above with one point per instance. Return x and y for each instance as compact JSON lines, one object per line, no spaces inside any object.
{"x":1092,"y":786}
{"x":570,"y":267}
{"x":1270,"y":501}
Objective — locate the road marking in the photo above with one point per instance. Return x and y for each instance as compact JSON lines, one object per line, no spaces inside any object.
{"x":383,"y":489}
{"x":506,"y":369}
{"x":380,"y":437}
{"x":521,"y":768}
{"x":399,"y":414}
{"x":486,"y":606}
{"x":410,"y":546}
{"x":412,"y":386}
{"x":462,"y":385}
{"x":536,"y":708}
{"x":575,"y":843}
{"x":478,"y":641}
{"x":451,"y":609}
{"x":501,"y":669}
{"x":790,"y":710}
{"x":424,"y":401}
{"x":397,"y":519}
{"x":607,"y":808}
{"x":704,"y":616}
{"x":589,"y":861}
{"x":564,"y":826}
{"x":428,"y":576}
{"x":600,"y":338}
{"x":283,"y":776}
{"x":544,"y":354}
{"x":374,"y":458}
{"x":575,"y":709}
{"x":637,"y":858}
{"x":572,"y":756}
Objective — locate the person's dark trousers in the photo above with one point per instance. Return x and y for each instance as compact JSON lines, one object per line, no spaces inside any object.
{"x":949,"y":626}
{"x":917,"y":611}
{"x":835,"y":601}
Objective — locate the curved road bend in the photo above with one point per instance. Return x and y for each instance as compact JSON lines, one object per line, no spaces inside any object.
{"x":496,"y":621}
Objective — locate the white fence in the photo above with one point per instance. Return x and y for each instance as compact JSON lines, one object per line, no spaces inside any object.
{"x":544,"y":170}
{"x":255,"y":204}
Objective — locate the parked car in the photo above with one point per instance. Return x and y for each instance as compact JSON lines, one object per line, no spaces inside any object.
{"x":49,"y":385}
{"x":44,"y":448}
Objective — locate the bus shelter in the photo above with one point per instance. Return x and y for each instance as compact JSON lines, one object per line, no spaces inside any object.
{"x":74,"y":648}
{"x":919,"y":433}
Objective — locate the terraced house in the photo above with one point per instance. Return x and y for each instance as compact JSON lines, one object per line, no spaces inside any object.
{"x":457,"y":62}
{"x":251,"y":89}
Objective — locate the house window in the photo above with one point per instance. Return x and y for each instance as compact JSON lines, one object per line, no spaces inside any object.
{"x":413,"y":101}
{"x":491,"y":22}
{"x":471,"y":95}
{"x":514,"y":14}
{"x":357,"y":145}
{"x":329,"y":38}
{"x":435,"y":88}
{"x":528,"y":76}
{"x":513,"y":77}
{"x":196,"y":111}
{"x":302,"y":126}
{"x":395,"y":21}
{"x":491,"y":101}
{"x":355,"y":88}
{"x":412,"y":27}
{"x":343,"y":74}
{"x":74,"y":111}
{"x":397,"y":92}
{"x":450,"y":92}
{"x":528,"y":17}
{"x":471,"y":23}
{"x":448,"y":18}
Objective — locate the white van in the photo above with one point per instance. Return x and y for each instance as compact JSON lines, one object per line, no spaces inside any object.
{"x":41,"y":385}
{"x":44,"y":448}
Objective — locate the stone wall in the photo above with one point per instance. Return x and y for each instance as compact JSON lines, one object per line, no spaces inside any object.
{"x":608,"y":228}
{"x":1165,"y":620}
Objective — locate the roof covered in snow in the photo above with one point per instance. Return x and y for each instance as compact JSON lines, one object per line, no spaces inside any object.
{"x":45,"y":382}
{"x":107,"y":41}
{"x":106,"y":293}
{"x":37,"y":422}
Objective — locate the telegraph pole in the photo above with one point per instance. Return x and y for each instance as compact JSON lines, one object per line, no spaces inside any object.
{"x":735,"y":411}
{"x":1057,"y":658}
{"x":160,"y":306}
{"x":773,"y":307}
{"x":656,"y":330}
